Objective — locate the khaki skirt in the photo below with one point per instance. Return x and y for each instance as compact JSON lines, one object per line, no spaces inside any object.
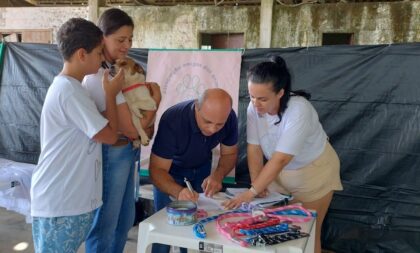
{"x":313,"y":181}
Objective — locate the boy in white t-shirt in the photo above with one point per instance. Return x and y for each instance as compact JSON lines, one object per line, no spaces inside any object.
{"x":67,"y":183}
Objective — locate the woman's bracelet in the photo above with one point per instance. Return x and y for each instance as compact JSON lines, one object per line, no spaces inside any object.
{"x":254,"y":192}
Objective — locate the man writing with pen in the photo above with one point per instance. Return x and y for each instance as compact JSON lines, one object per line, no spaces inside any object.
{"x":186,"y":135}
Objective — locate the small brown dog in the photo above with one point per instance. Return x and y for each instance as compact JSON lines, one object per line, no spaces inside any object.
{"x":136,"y":94}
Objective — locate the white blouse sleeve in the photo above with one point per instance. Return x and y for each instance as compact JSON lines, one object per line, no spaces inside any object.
{"x":297,"y":128}
{"x":252,"y":125}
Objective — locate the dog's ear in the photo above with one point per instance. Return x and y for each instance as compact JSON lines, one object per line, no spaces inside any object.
{"x":137,"y":68}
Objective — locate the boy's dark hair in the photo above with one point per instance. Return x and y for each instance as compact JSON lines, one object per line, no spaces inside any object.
{"x":113,"y":19}
{"x":78,"y":33}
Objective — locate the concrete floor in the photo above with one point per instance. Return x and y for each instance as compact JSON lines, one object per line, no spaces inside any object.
{"x":14,"y":231}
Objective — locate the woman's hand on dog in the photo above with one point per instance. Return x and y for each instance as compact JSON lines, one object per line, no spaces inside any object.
{"x":113,"y":86}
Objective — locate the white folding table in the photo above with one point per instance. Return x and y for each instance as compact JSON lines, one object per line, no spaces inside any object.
{"x":156,"y":229}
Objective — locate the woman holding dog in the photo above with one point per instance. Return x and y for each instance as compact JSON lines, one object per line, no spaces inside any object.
{"x":115,"y":217}
{"x":300,"y":160}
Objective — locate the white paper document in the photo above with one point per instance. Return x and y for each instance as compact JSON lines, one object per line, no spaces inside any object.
{"x":211,"y":204}
{"x":271,"y":199}
{"x":215,"y":203}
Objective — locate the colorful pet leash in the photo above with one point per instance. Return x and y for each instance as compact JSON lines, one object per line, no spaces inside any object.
{"x":269,"y":226}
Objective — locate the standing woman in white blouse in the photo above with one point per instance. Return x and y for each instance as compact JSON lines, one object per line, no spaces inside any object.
{"x":115,"y":217}
{"x":284,"y":127}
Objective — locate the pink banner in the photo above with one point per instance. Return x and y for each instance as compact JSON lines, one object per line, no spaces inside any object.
{"x":184,"y":75}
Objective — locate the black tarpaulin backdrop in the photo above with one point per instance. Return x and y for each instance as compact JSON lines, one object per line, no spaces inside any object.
{"x":368,"y":100}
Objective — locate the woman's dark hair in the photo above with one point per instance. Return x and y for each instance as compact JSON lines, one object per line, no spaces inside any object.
{"x":112,"y":20}
{"x":275,"y":72}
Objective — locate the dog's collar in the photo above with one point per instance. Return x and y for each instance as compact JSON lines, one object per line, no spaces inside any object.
{"x":132,"y":87}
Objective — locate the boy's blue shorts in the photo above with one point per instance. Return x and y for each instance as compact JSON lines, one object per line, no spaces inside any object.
{"x":61,"y":234}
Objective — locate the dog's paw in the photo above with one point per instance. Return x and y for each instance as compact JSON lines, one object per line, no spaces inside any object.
{"x":136,"y":143}
{"x":145,"y":142}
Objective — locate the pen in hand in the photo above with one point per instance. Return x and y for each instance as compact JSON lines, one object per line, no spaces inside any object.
{"x":188,"y":185}
{"x":187,"y":182}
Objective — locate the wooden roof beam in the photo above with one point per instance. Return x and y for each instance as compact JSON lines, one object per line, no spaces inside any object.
{"x":33,"y":2}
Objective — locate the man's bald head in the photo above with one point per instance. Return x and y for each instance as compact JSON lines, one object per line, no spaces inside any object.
{"x":212,"y":110}
{"x":214,"y":95}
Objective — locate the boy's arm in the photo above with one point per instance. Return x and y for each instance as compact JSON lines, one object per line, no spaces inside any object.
{"x":125,"y":124}
{"x":109,"y":134}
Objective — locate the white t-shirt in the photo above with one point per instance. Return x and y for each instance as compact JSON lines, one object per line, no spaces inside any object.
{"x":299,"y":133}
{"x":93,"y":83}
{"x":68,"y":178}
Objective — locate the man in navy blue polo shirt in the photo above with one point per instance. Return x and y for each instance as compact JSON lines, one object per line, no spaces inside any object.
{"x":186,"y":135}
